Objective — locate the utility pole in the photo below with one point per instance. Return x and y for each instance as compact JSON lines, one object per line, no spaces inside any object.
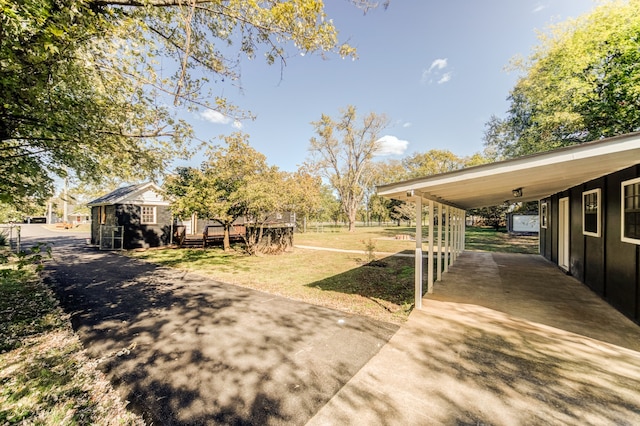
{"x":65,"y":204}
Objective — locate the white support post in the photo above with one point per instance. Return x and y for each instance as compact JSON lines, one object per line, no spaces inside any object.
{"x":439,"y":254}
{"x":431,"y":256}
{"x":418,"y":267}
{"x":463,"y":230}
{"x":461,"y":234}
{"x":447,"y":231}
{"x":454,"y":234}
{"x":460,"y":230}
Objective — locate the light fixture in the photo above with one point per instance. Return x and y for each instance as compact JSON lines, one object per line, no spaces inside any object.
{"x":517,"y":192}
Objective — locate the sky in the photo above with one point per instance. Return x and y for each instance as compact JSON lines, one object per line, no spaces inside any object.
{"x":436,"y":69}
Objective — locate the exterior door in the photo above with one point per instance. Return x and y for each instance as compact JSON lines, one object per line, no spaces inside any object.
{"x":563,"y":234}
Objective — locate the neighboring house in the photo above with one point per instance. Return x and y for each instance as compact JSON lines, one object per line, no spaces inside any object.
{"x":78,"y":217}
{"x":589,"y":210}
{"x":140,"y":210}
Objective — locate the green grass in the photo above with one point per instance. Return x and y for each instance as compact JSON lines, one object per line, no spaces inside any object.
{"x":338,"y":280}
{"x":487,"y":239}
{"x":345,"y":281}
{"x":45,"y":376}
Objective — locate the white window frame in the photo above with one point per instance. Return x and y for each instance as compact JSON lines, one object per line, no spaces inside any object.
{"x":622,"y":186}
{"x":598,"y":193}
{"x":544,"y":215}
{"x":142,"y":215}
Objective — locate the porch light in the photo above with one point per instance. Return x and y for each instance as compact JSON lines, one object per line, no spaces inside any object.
{"x":517,"y":192}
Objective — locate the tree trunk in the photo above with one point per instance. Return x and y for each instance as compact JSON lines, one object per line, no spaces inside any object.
{"x":226,"y":244}
{"x":352,"y":221}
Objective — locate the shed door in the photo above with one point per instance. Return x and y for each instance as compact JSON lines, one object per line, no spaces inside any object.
{"x":563,"y":233}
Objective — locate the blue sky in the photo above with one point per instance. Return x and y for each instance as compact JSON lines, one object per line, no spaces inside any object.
{"x":435,"y":68}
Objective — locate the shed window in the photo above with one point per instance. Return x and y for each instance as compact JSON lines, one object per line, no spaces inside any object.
{"x":591,"y":213}
{"x":631,"y":211}
{"x":148,"y":215}
{"x":544,"y":211}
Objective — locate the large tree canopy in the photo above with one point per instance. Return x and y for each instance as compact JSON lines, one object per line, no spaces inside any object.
{"x":580,"y":84}
{"x":91,"y":87}
{"x":343,"y":151}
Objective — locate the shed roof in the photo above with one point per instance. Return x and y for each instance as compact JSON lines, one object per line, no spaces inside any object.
{"x":125,"y":194}
{"x":538,"y":175}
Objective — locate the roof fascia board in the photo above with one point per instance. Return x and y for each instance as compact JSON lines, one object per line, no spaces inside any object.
{"x":549,"y":158}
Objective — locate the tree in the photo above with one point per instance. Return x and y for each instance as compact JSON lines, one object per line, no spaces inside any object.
{"x":236,"y":181}
{"x":402,"y":211}
{"x":494,"y":216}
{"x":329,"y":209}
{"x":266,"y":193}
{"x":304,"y":189}
{"x":342,"y":152}
{"x":86,"y":86}
{"x":581,"y":83}
{"x":430,"y":163}
{"x":218,"y":190}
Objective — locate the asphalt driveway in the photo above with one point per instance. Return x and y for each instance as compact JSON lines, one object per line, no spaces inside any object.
{"x":187,"y":350}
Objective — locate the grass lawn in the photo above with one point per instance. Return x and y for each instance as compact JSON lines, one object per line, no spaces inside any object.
{"x":344,"y":281}
{"x":45,"y":376}
{"x":337,"y":280}
{"x":487,"y":239}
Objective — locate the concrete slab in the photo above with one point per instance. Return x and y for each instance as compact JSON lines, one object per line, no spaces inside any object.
{"x":505,"y":339}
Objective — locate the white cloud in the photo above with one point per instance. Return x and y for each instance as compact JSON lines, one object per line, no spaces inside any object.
{"x":445,"y":78}
{"x":215,"y":117}
{"x":539,"y":8}
{"x":391,"y":145}
{"x":438,"y":64}
{"x":407,"y":124}
{"x":435,"y":72}
{"x":237,"y":124}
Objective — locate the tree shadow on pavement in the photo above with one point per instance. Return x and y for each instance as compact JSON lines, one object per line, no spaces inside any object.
{"x":187,"y":350}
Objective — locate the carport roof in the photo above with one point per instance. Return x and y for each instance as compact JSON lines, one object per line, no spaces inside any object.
{"x":538,"y":175}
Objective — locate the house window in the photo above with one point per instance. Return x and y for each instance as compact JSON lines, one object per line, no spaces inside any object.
{"x":102,"y":214}
{"x":631,"y":211}
{"x":544,"y":211}
{"x":148,"y":215}
{"x":591,"y":213}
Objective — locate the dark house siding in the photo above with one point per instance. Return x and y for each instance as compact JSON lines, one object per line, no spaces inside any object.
{"x":605,"y":264}
{"x":621,"y":271}
{"x":576,"y":239}
{"x":593,"y":263}
{"x":136,"y":234}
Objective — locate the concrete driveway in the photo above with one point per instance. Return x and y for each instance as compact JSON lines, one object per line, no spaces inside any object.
{"x":186,"y":350}
{"x":504,"y":340}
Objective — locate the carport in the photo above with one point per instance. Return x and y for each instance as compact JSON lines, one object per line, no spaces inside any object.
{"x":528,"y":178}
{"x":505,"y":339}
